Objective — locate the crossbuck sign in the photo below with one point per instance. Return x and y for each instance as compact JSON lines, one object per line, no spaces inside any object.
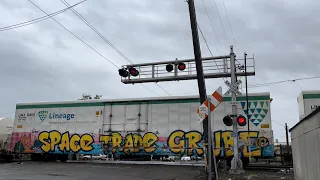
{"x":233,"y":87}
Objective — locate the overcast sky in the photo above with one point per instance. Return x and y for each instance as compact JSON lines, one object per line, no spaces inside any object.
{"x":44,"y":62}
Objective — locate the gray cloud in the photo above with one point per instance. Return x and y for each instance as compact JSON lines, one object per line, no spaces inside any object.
{"x":43,"y":62}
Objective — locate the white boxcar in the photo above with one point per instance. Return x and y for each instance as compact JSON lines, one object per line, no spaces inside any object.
{"x":308,"y":101}
{"x":145,"y":126}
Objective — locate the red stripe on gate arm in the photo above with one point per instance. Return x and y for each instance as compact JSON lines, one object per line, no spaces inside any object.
{"x":217,"y":96}
{"x":212,"y":107}
{"x":206,"y":102}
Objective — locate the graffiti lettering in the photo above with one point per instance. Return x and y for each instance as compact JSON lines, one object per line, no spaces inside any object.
{"x":179,"y":141}
{"x":64,"y":142}
{"x":132,"y":143}
{"x":224,"y":143}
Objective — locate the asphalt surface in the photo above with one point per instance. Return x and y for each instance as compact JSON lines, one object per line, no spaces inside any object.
{"x":92,"y":171}
{"x":29,"y":170}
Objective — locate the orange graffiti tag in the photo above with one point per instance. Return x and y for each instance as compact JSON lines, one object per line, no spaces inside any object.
{"x":26,"y":142}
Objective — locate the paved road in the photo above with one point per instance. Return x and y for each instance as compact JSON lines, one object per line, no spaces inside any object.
{"x":89,"y":171}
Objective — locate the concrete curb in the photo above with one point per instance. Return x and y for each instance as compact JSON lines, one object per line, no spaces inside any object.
{"x":140,"y":163}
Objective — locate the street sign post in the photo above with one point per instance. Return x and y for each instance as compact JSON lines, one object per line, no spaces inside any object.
{"x":203,"y":111}
{"x":215,"y":100}
{"x":210,"y":143}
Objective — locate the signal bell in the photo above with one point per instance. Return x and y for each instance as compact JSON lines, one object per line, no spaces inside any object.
{"x":241,"y":120}
{"x":227,"y":120}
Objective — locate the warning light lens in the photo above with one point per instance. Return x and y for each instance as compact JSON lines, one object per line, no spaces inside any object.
{"x":227,"y":120}
{"x":241,"y":120}
{"x":169,"y":67}
{"x":181,"y":66}
{"x":123,"y":73}
{"x":133,"y":71}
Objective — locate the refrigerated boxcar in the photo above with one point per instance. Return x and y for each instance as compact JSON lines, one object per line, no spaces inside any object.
{"x":141,"y":127}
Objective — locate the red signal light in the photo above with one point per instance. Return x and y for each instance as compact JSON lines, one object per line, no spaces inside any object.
{"x":133,"y":71}
{"x":241,"y":120}
{"x":181,"y":66}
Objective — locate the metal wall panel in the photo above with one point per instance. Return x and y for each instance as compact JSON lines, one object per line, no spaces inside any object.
{"x":153,"y":117}
{"x":193,"y":116}
{"x":83,"y":120}
{"x":163,"y":119}
{"x":174,"y":117}
{"x":107,"y":119}
{"x":305,"y":139}
{"x":132,"y":123}
{"x":311,"y":144}
{"x":143,"y":118}
{"x":185,"y":117}
{"x":118,"y":118}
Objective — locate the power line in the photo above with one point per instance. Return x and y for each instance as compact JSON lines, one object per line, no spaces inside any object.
{"x":278,"y":123}
{"x":94,"y":29}
{"x":225,"y":9}
{"x":75,"y":35}
{"x":273,"y":83}
{"x":204,"y":38}
{"x":14,"y":26}
{"x":80,"y":39}
{"x":106,"y":40}
{"x":224,"y":30}
{"x":211,"y":23}
{"x":283,"y":81}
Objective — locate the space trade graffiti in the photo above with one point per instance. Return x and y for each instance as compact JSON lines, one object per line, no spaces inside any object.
{"x":177,"y":143}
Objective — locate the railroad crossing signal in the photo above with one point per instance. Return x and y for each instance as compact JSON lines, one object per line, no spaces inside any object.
{"x":233,"y":87}
{"x":216,"y":99}
{"x":227,"y":120}
{"x":123,"y":72}
{"x":181,"y":66}
{"x":241,"y":120}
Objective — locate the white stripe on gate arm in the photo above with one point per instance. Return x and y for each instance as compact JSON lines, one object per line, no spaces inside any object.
{"x":217,"y":98}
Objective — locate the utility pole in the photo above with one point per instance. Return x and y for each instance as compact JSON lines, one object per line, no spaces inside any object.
{"x":287,"y":135}
{"x":200,"y":76}
{"x":236,"y":164}
{"x":247,"y":99}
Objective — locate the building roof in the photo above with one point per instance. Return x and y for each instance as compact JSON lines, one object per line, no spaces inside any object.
{"x":102,"y":102}
{"x":310,"y":92}
{"x":313,"y":113}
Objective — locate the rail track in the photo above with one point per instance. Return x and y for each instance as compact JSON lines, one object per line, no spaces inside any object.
{"x":268,"y":167}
